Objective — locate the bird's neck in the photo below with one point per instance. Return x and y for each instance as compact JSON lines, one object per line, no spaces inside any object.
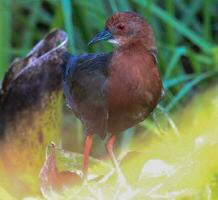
{"x":134,"y":46}
{"x":136,"y":49}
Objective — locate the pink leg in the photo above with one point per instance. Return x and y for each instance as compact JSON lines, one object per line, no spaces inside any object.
{"x":109,"y":147}
{"x":86,"y":152}
{"x":110,"y":144}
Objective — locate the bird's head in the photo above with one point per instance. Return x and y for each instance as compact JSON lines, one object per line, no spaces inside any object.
{"x":124,"y":28}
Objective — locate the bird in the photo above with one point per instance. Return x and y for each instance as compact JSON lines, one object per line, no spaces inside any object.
{"x":111,"y":92}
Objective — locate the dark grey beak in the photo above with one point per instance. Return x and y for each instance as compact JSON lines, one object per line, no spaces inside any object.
{"x":104,"y":35}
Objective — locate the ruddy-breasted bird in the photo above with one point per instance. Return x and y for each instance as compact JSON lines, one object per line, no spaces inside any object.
{"x":111,"y":92}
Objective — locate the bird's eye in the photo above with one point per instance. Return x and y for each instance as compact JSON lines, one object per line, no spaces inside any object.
{"x":120,"y":26}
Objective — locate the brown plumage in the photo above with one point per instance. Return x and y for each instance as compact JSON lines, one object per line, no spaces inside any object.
{"x":111,"y":92}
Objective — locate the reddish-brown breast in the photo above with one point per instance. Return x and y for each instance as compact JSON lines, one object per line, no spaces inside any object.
{"x":133,"y":87}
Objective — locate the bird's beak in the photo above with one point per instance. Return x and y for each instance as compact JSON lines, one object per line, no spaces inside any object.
{"x":104,"y":35}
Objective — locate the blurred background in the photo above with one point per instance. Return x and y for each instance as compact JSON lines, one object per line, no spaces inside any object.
{"x":186,"y":34}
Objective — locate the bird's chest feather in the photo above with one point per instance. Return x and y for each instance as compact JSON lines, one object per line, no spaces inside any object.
{"x":129,"y":81}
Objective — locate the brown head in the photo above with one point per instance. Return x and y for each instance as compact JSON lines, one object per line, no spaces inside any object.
{"x":125,"y":28}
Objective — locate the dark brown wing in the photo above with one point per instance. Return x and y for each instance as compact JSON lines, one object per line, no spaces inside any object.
{"x":84,"y":77}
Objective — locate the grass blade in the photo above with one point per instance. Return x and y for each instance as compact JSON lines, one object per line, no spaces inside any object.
{"x":187,"y":89}
{"x":175,"y":81}
{"x":113,"y":5}
{"x":124,"y":5}
{"x":30,"y":28}
{"x":207,"y":20}
{"x":180,"y":51}
{"x":176,"y":24}
{"x":170,"y":34}
{"x":68,"y":22}
{"x":126,"y":138}
{"x":189,"y":17}
{"x":5,"y":38}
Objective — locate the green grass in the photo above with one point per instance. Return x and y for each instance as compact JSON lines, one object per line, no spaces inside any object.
{"x":68,"y":22}
{"x":5,"y":37}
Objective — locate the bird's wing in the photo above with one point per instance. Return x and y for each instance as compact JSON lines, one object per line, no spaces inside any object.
{"x":84,"y":79}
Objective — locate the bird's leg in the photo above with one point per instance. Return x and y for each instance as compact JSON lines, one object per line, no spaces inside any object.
{"x":86,"y":152}
{"x":109,"y":147}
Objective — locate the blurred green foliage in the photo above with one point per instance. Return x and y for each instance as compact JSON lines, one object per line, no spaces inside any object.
{"x":5,"y":38}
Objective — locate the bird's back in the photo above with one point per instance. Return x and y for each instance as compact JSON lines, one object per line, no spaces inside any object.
{"x":84,"y":78}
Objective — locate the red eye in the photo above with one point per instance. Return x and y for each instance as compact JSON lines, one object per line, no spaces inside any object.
{"x":120,"y":26}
